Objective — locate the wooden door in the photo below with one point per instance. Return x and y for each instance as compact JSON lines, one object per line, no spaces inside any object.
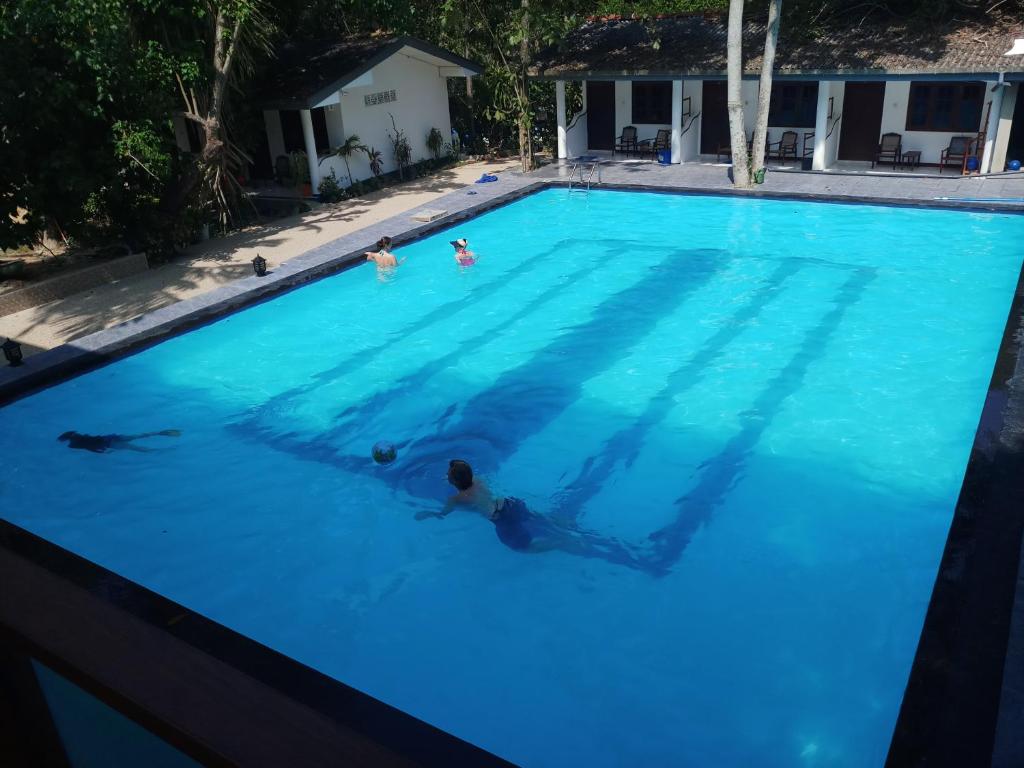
{"x":861,"y":127}
{"x":600,"y":114}
{"x":714,"y":117}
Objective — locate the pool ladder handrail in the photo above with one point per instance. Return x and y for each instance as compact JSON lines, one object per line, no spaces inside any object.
{"x":594,"y":166}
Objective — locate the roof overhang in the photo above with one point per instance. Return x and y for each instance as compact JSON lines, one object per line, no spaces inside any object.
{"x":448,"y":64}
{"x":868,"y":76}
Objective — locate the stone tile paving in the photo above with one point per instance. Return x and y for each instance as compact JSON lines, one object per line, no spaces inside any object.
{"x":906,"y":189}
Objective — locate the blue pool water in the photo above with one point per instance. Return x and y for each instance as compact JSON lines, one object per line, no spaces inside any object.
{"x":746,"y":420}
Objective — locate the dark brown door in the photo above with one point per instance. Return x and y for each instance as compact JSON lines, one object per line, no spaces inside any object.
{"x":600,"y":114}
{"x":862,"y":121}
{"x":714,"y":118}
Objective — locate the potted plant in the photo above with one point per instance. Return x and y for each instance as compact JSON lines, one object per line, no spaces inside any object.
{"x":400,"y":148}
{"x":435,"y":143}
{"x":300,"y":172}
{"x":376,"y":161}
{"x":347,"y":150}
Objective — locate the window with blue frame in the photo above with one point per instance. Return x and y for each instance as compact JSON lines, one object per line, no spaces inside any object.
{"x":793,"y":104}
{"x":652,"y":101}
{"x":953,"y":107}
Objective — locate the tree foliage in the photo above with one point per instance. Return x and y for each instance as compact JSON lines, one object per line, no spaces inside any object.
{"x":84,"y":110}
{"x":90,"y":87}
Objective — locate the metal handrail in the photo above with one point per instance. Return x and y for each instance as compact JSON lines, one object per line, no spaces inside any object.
{"x":594,"y":166}
{"x":573,"y":173}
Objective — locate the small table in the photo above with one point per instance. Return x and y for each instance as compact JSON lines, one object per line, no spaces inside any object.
{"x":911,"y":158}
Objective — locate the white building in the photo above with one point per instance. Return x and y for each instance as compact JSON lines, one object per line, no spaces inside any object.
{"x":840,"y":93}
{"x":319,"y":94}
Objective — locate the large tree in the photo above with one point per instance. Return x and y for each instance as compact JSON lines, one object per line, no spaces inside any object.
{"x":236,"y":33}
{"x":734,"y":95}
{"x":764,"y":94}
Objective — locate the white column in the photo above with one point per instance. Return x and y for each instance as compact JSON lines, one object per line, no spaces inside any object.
{"x":560,"y":117}
{"x":1002,"y":145}
{"x":275,"y":138}
{"x":992,"y":129}
{"x":819,"y":162}
{"x":310,"y":140}
{"x":677,"y":121}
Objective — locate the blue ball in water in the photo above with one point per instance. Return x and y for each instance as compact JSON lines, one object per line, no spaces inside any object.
{"x":384,"y":452}
{"x":1014,"y":165}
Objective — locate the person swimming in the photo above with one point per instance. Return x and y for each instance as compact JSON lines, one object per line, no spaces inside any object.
{"x":383,"y":257}
{"x":463,"y":257}
{"x":105,"y":443}
{"x":517,"y":527}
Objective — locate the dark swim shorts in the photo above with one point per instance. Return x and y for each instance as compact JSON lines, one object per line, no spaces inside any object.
{"x":510,"y":524}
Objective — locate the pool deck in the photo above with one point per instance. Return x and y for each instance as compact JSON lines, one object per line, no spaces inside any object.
{"x":881,"y":186}
{"x":1004,"y":408}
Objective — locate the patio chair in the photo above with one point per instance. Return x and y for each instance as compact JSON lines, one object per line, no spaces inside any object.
{"x":784,"y":147}
{"x":652,"y":146}
{"x":626,"y":143}
{"x":955,"y":153}
{"x":890,"y":149}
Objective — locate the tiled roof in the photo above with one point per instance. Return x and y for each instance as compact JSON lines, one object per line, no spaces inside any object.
{"x":695,"y":45}
{"x":305,"y":72}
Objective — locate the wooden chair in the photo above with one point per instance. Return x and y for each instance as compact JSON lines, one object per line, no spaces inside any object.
{"x":784,"y":147}
{"x":890,"y":149}
{"x":627,"y":142}
{"x":652,"y":146}
{"x":955,"y":153}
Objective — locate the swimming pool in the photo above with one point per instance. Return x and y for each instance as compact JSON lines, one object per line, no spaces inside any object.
{"x":751,"y":418}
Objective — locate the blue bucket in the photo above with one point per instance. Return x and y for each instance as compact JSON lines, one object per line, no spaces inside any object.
{"x":665,"y":156}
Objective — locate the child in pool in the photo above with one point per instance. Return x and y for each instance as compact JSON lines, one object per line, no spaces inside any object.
{"x":383,"y":257}
{"x":463,"y":257}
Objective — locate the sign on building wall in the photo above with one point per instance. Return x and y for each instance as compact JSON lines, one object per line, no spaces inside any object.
{"x":381,"y":97}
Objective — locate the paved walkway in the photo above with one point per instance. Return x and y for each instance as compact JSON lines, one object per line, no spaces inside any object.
{"x":896,"y":187}
{"x":214,"y":263}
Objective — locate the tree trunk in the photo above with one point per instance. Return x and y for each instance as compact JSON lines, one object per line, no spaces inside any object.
{"x":737,"y":133}
{"x":525,"y":144}
{"x":764,"y":96}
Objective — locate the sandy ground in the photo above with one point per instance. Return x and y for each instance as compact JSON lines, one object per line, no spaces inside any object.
{"x":216,"y":262}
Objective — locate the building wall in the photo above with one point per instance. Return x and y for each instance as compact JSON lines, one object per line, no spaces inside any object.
{"x":422,"y":104}
{"x":624,"y":113}
{"x":837,"y":91}
{"x":999,"y":158}
{"x":576,"y":133}
{"x":694,"y":91}
{"x":894,"y":120}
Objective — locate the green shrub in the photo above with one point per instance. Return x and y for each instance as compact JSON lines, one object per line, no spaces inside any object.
{"x":330,"y":190}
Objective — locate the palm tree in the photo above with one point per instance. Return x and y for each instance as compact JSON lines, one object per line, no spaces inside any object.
{"x":352,"y":145}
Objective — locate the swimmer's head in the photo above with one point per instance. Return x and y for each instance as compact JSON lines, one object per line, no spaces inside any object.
{"x":384,"y":243}
{"x":66,"y":436}
{"x":460,"y":474}
{"x":460,"y":244}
